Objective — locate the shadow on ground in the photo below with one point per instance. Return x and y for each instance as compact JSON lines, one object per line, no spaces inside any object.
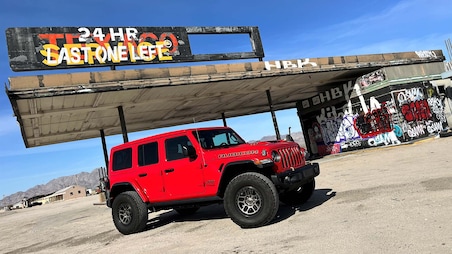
{"x":211,"y":212}
{"x":215,"y":212}
{"x":319,"y":197}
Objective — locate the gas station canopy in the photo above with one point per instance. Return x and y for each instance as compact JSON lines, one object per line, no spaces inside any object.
{"x":59,"y":108}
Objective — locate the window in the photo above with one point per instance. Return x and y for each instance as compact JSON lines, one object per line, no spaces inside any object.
{"x":148,"y":154}
{"x":174,"y":147}
{"x":122,"y":159}
{"x":218,"y":138}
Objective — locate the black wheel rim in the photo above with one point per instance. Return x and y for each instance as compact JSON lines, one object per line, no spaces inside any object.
{"x":248,"y":200}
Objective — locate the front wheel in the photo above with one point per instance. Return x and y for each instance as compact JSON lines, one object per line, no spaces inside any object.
{"x":129,"y":212}
{"x":300,"y":196}
{"x":251,"y":200}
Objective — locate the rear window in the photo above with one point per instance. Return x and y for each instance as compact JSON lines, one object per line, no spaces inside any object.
{"x":122,"y":159}
{"x":148,"y":154}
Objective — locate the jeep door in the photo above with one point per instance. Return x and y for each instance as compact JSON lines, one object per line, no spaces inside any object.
{"x":183,"y":176}
{"x":149,"y":172}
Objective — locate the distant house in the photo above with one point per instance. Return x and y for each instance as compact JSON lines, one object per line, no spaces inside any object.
{"x":71,"y":192}
{"x":19,"y":205}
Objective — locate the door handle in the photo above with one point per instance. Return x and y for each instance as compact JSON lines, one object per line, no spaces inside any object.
{"x":169,"y":170}
{"x":142,"y":174}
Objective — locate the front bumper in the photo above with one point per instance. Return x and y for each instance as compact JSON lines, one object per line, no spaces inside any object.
{"x":297,"y":177}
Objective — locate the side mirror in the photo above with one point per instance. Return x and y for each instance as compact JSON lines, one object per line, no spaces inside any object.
{"x":189,"y":151}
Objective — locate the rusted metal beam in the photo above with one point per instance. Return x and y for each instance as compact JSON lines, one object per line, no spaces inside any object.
{"x":104,"y":147}
{"x":123,"y":124}
{"x":275,"y":122}
{"x":224,"y":120}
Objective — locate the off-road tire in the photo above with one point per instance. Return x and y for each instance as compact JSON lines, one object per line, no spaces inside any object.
{"x":184,"y":211}
{"x":251,"y":200}
{"x":299,"y":197}
{"x":129,"y":213}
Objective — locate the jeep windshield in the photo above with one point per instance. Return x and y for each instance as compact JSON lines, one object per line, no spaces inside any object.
{"x":210,"y":139}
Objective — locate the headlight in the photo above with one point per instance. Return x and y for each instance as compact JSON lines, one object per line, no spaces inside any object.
{"x":262,"y":163}
{"x":276,"y":157}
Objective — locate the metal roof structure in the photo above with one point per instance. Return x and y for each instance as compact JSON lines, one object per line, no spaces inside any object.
{"x":60,"y":108}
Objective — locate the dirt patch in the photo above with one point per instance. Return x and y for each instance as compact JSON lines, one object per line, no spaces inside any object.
{"x":438,"y":184}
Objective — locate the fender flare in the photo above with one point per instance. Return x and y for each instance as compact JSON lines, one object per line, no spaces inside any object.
{"x":127,"y":186}
{"x":232,"y":169}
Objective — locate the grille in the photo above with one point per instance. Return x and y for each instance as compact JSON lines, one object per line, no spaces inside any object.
{"x":291,"y":157}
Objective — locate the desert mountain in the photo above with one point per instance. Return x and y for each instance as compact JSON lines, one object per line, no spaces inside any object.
{"x":88,"y":180}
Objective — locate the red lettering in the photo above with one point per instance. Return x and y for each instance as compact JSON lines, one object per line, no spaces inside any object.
{"x":105,"y":40}
{"x":145,"y":36}
{"x":70,"y":38}
{"x":129,"y":40}
{"x":416,"y":111}
{"x":376,"y":122}
{"x":174,"y":43}
{"x":51,"y":38}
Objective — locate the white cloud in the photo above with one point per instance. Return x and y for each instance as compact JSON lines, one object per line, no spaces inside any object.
{"x":406,"y":26}
{"x":427,"y":42}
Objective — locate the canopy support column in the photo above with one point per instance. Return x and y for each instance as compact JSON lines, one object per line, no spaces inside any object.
{"x":104,"y":147}
{"x":123,"y":124}
{"x":275,"y":123}
{"x":224,"y":120}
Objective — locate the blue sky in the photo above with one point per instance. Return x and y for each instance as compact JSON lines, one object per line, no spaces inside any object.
{"x":290,"y":29}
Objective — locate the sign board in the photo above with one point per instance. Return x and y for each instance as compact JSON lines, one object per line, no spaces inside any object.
{"x":45,"y":48}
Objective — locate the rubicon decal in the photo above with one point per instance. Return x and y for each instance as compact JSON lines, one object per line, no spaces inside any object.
{"x":236,"y":154}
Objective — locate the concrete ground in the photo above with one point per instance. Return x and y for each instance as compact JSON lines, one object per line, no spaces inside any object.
{"x":394,"y":199}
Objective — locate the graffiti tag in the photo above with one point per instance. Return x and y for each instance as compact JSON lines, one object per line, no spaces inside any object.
{"x":376,"y":122}
{"x":416,"y":111}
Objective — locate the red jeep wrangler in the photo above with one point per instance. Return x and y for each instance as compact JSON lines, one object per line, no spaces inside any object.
{"x":187,"y":169}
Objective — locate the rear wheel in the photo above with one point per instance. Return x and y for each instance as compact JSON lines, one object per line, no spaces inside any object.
{"x":299,"y":196}
{"x":251,"y":200}
{"x":129,"y":212}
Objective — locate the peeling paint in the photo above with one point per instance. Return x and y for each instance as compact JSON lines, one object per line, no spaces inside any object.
{"x":20,"y":58}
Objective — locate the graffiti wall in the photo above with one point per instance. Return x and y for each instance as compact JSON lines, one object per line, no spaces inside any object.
{"x":390,"y":115}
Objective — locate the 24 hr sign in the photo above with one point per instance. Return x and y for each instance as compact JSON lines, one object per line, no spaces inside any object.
{"x":72,"y":47}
